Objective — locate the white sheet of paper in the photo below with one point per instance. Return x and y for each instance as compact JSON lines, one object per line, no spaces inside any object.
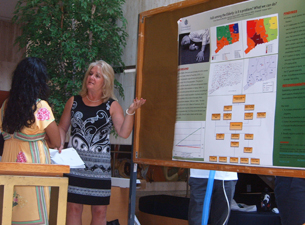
{"x":68,"y":157}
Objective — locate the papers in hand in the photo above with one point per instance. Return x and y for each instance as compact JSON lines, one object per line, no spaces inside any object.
{"x":68,"y":157}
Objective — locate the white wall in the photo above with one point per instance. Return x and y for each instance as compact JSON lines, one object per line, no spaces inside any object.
{"x":127,"y":79}
{"x":131,"y":10}
{"x":9,"y":53}
{"x":6,"y":74}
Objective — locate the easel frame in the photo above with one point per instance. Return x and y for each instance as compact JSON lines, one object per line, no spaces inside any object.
{"x":159,"y":109}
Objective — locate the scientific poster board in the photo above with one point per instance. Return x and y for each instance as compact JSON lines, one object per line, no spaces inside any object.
{"x":248,"y":119}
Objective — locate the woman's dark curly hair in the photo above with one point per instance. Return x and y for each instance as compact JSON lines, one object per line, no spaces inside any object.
{"x":29,"y":84}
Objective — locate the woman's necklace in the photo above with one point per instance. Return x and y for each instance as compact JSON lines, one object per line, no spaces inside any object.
{"x":91,"y":100}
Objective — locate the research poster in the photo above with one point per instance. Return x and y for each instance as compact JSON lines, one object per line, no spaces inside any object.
{"x":241,"y":85}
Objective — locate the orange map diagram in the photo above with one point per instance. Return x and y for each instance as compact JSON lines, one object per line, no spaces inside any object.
{"x":261,"y":31}
{"x":226,"y":35}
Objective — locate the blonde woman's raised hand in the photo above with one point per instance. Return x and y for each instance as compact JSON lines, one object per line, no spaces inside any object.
{"x":137,"y":103}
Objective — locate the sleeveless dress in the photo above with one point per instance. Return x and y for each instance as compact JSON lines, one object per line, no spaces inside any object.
{"x":90,"y":129}
{"x":30,"y":204}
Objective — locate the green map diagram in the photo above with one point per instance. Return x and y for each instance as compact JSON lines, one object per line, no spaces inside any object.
{"x":261,"y":31}
{"x":226,"y":35}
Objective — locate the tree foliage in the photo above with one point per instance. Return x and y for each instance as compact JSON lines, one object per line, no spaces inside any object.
{"x":69,"y":35}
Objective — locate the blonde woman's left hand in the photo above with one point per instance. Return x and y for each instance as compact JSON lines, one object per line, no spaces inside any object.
{"x":137,"y":103}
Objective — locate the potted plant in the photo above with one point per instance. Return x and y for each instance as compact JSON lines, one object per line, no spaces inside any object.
{"x":69,"y":35}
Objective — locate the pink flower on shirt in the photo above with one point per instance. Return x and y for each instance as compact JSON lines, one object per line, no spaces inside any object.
{"x":43,"y":114}
{"x":21,"y":157}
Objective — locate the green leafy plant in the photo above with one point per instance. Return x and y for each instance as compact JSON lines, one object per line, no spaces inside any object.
{"x":69,"y":35}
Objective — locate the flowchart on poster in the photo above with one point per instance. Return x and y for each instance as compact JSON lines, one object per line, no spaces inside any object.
{"x":241,"y":124}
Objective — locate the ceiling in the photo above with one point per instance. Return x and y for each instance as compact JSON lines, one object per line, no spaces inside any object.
{"x":7,"y":9}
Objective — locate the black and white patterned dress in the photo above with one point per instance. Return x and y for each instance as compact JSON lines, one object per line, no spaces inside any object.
{"x":90,"y":129}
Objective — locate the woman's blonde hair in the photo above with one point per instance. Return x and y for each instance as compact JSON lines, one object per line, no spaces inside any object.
{"x":108,"y":75}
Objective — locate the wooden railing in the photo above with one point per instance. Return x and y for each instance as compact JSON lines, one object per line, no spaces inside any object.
{"x":26,"y":174}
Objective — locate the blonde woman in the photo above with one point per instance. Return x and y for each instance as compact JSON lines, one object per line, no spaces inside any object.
{"x":91,"y":116}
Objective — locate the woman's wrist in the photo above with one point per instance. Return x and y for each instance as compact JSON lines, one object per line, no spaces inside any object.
{"x":130,"y":114}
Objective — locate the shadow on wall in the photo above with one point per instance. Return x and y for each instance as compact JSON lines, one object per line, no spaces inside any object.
{"x":3,"y":96}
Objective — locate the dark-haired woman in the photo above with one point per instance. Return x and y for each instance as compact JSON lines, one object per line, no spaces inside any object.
{"x":26,"y":120}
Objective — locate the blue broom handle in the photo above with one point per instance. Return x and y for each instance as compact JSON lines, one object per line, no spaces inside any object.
{"x":207,"y":198}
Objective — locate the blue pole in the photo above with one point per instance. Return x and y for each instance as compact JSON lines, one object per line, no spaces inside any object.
{"x":207,"y":198}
